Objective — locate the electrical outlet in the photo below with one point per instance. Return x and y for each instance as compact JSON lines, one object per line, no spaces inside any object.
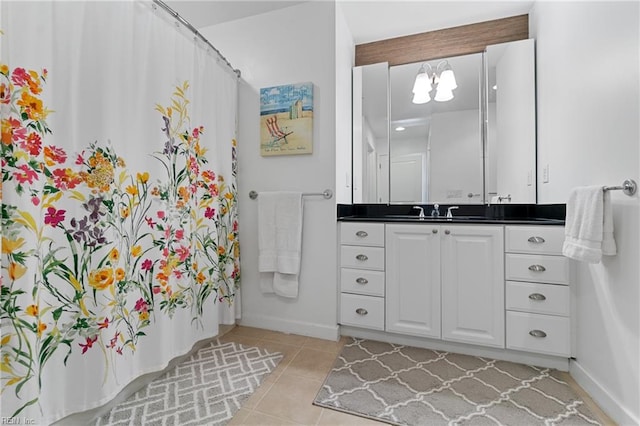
{"x":545,"y":173}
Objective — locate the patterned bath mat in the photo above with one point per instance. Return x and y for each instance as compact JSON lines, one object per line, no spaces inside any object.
{"x":412,"y":386}
{"x":207,"y":389}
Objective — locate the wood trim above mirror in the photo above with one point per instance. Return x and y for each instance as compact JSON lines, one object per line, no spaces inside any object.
{"x":463,"y":40}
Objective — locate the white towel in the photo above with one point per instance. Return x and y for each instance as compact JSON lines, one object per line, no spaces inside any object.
{"x":279,"y":242}
{"x":589,"y":225}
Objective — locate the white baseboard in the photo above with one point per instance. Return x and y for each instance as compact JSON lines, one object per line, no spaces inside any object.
{"x":327,"y":332}
{"x":614,"y":409}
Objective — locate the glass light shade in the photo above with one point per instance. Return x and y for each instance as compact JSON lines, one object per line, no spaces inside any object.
{"x":422,"y":83}
{"x":421,"y":97}
{"x":443,"y":95}
{"x":447,"y":80}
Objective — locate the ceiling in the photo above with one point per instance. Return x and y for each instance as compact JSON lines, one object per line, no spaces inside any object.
{"x":368,"y":20}
{"x":203,"y":13}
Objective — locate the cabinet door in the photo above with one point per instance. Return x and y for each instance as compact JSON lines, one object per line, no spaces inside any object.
{"x":473,"y":284}
{"x":412,"y":264}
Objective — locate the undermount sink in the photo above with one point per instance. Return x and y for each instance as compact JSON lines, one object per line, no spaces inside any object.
{"x":414,"y":217}
{"x":463,"y":218}
{"x":472,"y":218}
{"x":404,"y":216}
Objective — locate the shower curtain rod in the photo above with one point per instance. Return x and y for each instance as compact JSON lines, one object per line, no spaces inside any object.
{"x":193,"y":29}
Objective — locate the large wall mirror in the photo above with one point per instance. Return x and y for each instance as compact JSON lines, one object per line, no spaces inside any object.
{"x":472,"y":144}
{"x":435,"y":142}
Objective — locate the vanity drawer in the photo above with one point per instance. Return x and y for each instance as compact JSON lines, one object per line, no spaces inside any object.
{"x":361,"y":281}
{"x":362,"y":311}
{"x":364,"y":234}
{"x":538,"y":298}
{"x":537,"y":268}
{"x":362,"y":257}
{"x":538,"y":333}
{"x":534,"y":239}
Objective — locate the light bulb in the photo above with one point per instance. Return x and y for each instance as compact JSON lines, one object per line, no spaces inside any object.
{"x":447,"y":80}
{"x":421,"y":98}
{"x":443,"y":95}
{"x":422,"y":83}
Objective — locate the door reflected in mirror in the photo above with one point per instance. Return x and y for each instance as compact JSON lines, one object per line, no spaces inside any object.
{"x":435,"y":143}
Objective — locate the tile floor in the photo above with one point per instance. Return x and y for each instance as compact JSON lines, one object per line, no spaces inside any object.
{"x":286,"y":395}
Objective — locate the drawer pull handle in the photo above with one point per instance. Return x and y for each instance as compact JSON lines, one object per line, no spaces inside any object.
{"x":362,"y":280}
{"x":446,"y":231}
{"x":362,"y":311}
{"x":537,"y":296}
{"x":361,"y":234}
{"x":538,"y":333}
{"x":537,"y":268}
{"x":435,"y":231}
{"x":362,"y":257}
{"x":536,"y":240}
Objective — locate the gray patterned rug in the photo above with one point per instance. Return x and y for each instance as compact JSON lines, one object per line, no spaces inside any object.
{"x":412,"y":386}
{"x":206,"y":389}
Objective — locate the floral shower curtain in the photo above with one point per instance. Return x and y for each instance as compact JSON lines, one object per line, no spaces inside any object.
{"x":119,"y":219}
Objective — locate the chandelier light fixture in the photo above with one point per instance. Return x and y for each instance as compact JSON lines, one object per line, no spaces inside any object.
{"x":442,"y":78}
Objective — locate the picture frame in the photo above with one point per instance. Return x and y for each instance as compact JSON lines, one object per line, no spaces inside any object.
{"x":286,"y":119}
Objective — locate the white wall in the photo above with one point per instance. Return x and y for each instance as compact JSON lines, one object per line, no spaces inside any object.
{"x":291,"y":45}
{"x":455,"y":157}
{"x":588,"y":113}
{"x":407,"y":146}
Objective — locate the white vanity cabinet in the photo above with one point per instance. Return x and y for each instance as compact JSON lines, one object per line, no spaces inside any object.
{"x":413,"y":279}
{"x":446,"y":281}
{"x":362,"y":277}
{"x":475,"y":288}
{"x":473,"y":284}
{"x":537,"y":290}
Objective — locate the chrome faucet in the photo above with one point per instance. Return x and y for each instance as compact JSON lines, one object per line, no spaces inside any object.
{"x":436,"y":210}
{"x":421,"y":214}
{"x":449,"y":213}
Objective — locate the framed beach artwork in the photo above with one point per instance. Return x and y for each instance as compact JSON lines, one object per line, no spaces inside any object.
{"x":286,"y":119}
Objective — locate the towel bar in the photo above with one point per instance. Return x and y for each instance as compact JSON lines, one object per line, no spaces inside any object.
{"x":327,"y":194}
{"x":629,"y":187}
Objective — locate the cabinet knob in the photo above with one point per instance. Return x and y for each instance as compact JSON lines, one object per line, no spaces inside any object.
{"x":446,"y":231}
{"x":362,"y":257}
{"x":435,"y":231}
{"x":362,"y":280}
{"x":537,"y":268}
{"x":537,"y":296}
{"x":536,"y":240}
{"x":361,"y":234}
{"x":362,"y":311}
{"x":538,"y":333}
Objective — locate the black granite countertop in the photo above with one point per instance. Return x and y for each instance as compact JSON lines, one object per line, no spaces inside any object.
{"x":456,"y":220}
{"x":509,"y":214}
